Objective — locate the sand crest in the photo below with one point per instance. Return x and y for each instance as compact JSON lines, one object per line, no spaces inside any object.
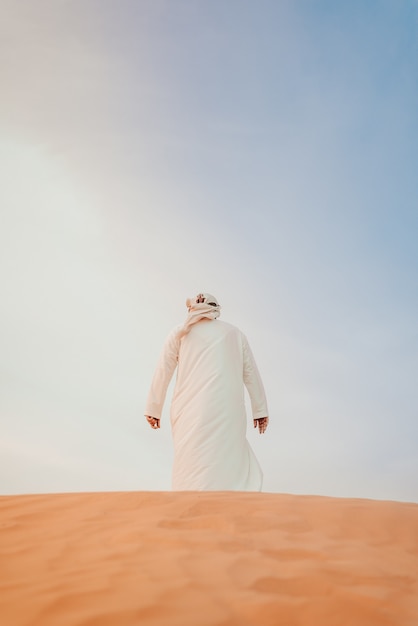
{"x":200,"y":559}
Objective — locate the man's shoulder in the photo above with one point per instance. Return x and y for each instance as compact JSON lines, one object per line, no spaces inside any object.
{"x":173,"y":334}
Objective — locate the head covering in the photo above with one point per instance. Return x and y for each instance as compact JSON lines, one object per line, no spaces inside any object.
{"x":204,"y":305}
{"x":202,"y":298}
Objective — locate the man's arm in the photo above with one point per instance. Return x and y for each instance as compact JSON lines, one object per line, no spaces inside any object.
{"x":255,"y":388}
{"x":163,"y":374}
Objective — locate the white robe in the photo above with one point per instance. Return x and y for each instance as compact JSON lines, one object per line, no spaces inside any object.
{"x":208,"y":415}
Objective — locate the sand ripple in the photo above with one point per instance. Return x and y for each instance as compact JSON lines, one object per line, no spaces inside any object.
{"x":206,"y":559}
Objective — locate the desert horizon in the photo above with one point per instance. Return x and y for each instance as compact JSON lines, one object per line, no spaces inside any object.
{"x":207,"y":558}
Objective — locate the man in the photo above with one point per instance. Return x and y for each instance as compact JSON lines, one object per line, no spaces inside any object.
{"x":208,"y":418}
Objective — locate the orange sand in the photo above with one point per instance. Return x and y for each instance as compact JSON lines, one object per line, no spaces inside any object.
{"x":200,"y":559}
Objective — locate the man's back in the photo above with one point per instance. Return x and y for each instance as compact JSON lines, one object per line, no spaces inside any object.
{"x":210,"y":368}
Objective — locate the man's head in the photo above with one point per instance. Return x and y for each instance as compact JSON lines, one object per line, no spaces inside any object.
{"x":202,"y":298}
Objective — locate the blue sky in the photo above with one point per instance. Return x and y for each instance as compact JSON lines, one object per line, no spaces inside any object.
{"x":262,"y":151}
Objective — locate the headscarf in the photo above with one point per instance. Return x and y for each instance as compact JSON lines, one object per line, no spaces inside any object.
{"x":204,"y":305}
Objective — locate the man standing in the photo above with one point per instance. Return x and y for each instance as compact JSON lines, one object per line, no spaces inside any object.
{"x":208,"y":417}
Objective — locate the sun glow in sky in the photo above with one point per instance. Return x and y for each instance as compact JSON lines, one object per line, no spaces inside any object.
{"x":262,"y":151}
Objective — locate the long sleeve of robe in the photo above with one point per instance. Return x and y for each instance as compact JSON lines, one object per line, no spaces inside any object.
{"x":208,"y":416}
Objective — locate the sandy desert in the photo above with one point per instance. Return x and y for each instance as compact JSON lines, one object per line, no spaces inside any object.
{"x":206,"y":559}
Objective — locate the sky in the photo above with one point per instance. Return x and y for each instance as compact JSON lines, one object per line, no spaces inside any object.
{"x":264,"y":152}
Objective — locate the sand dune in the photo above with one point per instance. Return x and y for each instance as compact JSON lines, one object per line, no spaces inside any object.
{"x":200,"y":559}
